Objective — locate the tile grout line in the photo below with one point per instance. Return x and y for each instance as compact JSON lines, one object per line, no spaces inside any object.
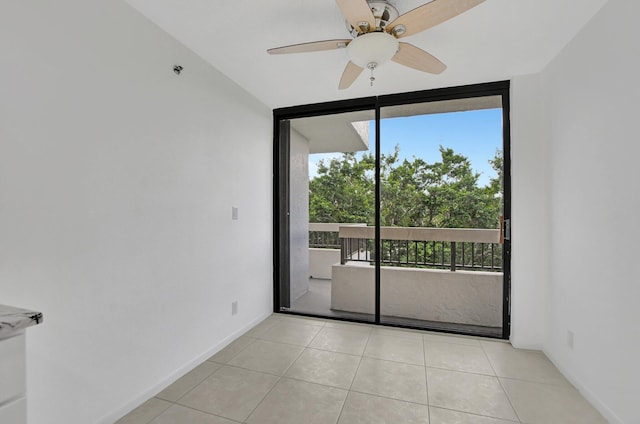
{"x":293,"y":344}
{"x":161,"y":412}
{"x":314,"y":382}
{"x":395,"y":361}
{"x":426,"y":377}
{"x":331,"y":351}
{"x":193,"y":388}
{"x":208,"y":413}
{"x":509,"y":399}
{"x":262,"y":400}
{"x":465,"y":372}
{"x":277,"y":381}
{"x":422,"y":364}
{"x":222,"y":365}
{"x":354,"y":376}
{"x":475,"y":414}
{"x":175,"y":402}
{"x":238,"y":353}
{"x":283,"y":320}
{"x":191,"y":407}
{"x":304,"y":348}
{"x":316,"y":336}
{"x":392,"y":398}
{"x":559,"y":386}
{"x":500,"y":383}
{"x":280,"y":342}
{"x":196,"y":385}
{"x":251,"y":370}
{"x":563,"y":384}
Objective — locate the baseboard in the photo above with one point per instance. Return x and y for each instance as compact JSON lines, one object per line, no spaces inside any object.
{"x":594,"y":400}
{"x":525,"y":346}
{"x":165,"y":382}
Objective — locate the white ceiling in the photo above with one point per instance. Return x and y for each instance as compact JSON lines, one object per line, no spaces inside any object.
{"x":344,"y":132}
{"x":495,"y":41}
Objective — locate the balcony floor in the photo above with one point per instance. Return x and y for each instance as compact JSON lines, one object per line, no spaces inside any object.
{"x":317,"y":301}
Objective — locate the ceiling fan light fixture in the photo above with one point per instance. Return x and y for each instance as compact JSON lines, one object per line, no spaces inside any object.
{"x":372,"y":48}
{"x":376,"y":26}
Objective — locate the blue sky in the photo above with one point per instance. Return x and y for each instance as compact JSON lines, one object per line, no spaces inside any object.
{"x":475,"y":134}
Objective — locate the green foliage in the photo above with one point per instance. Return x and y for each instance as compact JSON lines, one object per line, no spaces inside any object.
{"x":343,"y":191}
{"x":414,"y":193}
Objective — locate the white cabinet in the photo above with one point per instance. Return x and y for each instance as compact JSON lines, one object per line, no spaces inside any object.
{"x":12,"y":367}
{"x":13,"y":403}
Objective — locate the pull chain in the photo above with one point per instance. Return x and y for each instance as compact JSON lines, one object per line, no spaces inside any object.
{"x":372,"y":66}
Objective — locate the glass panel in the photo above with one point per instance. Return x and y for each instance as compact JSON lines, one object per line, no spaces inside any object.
{"x":332,"y":187}
{"x":440,"y":206}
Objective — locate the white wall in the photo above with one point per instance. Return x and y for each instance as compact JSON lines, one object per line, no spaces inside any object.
{"x":591,"y":95}
{"x":117,"y":179}
{"x":530,"y":212}
{"x":299,"y":215}
{"x":321,"y":262}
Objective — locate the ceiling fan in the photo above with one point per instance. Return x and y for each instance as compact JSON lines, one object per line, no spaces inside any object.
{"x":375,"y":27}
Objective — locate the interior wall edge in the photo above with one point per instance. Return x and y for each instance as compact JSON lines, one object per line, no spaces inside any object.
{"x":156,"y":388}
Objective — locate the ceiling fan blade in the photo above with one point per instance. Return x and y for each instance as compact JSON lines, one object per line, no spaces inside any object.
{"x":351,"y":72}
{"x":314,"y":46}
{"x":416,"y":58}
{"x":429,"y":15}
{"x":356,"y":12}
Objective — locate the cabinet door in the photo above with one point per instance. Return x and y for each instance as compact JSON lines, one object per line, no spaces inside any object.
{"x":12,"y":368}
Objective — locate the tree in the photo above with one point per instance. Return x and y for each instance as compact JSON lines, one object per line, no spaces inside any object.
{"x":414,"y":193}
{"x":454,"y":198}
{"x":343,"y":191}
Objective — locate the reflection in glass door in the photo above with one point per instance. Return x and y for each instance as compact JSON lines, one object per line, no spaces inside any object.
{"x":330,"y":162}
{"x":440,"y":208}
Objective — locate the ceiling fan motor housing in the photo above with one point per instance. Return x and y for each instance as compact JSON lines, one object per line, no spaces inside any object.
{"x":383,"y":11}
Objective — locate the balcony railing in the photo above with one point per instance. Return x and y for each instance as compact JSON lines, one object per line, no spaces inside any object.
{"x":325,"y":235}
{"x":414,"y":247}
{"x":416,"y":278}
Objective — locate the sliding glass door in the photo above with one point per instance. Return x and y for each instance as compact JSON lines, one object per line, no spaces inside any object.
{"x":330,"y":167}
{"x":440,"y":207}
{"x":390,"y":210}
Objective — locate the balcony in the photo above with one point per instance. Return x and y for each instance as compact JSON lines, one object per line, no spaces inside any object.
{"x":437,"y":275}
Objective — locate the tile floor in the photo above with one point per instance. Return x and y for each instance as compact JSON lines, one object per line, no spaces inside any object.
{"x":295,"y":370}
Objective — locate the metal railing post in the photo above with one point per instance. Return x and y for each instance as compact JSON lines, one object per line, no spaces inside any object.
{"x":396,"y":247}
{"x":453,"y":256}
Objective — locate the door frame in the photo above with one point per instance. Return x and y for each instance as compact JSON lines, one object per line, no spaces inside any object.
{"x":281,"y":118}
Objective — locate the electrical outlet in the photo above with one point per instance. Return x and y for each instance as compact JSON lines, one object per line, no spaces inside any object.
{"x":570,"y":339}
{"x":234,"y":213}
{"x":234,"y":307}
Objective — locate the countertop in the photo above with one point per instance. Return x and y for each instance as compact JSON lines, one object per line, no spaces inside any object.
{"x":13,"y":319}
